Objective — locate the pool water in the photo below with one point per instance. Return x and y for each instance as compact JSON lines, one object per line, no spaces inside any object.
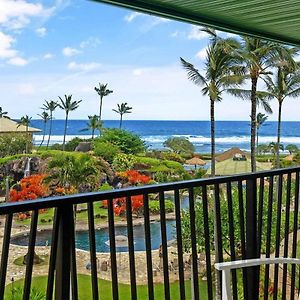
{"x":43,"y":238}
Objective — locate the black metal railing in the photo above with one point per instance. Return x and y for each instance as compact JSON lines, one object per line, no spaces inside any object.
{"x":227,"y":218}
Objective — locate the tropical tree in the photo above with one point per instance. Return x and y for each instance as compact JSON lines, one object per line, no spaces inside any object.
{"x":260,"y":120}
{"x":50,"y":106}
{"x":45,"y":117}
{"x":3,"y":114}
{"x":102,"y":91}
{"x":180,"y":145}
{"x":218,"y":76}
{"x":25,"y":121}
{"x":93,"y":124}
{"x":274,"y":148}
{"x":67,"y":105}
{"x":256,"y":56}
{"x":292,"y":148}
{"x":285,"y":83}
{"x":122,"y":110}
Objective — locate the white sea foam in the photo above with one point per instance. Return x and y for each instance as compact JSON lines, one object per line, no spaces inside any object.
{"x":195,"y":139}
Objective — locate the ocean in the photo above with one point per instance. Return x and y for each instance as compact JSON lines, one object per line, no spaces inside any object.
{"x":154,"y":133}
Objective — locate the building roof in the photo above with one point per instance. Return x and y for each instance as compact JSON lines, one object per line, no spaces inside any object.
{"x":231,"y":167}
{"x":10,"y":126}
{"x":271,"y":19}
{"x":229,"y":154}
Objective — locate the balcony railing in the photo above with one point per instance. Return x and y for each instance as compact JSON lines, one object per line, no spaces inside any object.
{"x":230,"y":218}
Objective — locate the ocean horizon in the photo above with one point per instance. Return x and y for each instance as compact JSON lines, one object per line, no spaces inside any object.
{"x":155,"y":132}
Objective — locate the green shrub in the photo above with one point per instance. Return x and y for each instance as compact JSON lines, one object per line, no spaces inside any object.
{"x":11,"y":144}
{"x":106,"y":150}
{"x":127,"y":142}
{"x":70,"y":145}
{"x":180,"y":145}
{"x":173,"y":156}
{"x":123,"y":162}
{"x":154,"y":206}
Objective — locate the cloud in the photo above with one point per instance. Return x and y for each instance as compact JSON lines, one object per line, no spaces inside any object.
{"x":6,"y":42}
{"x":91,"y":42}
{"x":202,"y":53}
{"x":130,"y":17}
{"x":149,"y":21}
{"x":68,"y":51}
{"x":41,"y":32}
{"x":17,"y":61}
{"x":48,"y":56}
{"x":196,"y":33}
{"x":87,"y":67}
{"x":15,"y":14}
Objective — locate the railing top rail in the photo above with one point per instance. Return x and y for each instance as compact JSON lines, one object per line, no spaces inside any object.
{"x":14,"y":207}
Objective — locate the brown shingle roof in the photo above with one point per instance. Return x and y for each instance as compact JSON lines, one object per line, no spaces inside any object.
{"x":230,"y":154}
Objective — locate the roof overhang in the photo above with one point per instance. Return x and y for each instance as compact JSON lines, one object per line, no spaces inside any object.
{"x":270,"y":19}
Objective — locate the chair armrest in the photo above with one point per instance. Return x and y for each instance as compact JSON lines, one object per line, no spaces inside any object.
{"x":255,"y":262}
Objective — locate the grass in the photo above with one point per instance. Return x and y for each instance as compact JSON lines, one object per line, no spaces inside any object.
{"x":19,"y":261}
{"x":105,"y":293}
{"x":46,"y":218}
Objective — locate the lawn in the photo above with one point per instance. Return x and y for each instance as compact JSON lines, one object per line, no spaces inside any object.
{"x":105,"y":293}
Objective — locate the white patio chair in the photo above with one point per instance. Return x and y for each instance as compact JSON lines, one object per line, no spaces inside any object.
{"x":226,"y":267}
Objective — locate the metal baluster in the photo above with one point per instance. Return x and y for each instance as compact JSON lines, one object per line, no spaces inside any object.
{"x":52,"y":260}
{"x":131,"y":248}
{"x":242,"y":234}
{"x":260,"y":212}
{"x":148,"y":247}
{"x":164,"y":245}
{"x":231,"y":237}
{"x":278,"y":235}
{"x":194,"y":262}
{"x":4,"y":254}
{"x":207,"y":242}
{"x":268,"y":236}
{"x":30,"y":255}
{"x":74,"y":285}
{"x":112,"y":246}
{"x":295,"y":230}
{"x":179,"y":244}
{"x":93,"y":256}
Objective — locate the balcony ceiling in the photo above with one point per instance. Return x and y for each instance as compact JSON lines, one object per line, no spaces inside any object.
{"x":272,"y":19}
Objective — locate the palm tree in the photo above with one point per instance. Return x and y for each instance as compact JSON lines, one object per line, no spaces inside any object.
{"x":257,"y":56}
{"x":285,"y":83}
{"x":50,"y":106}
{"x":3,"y":114}
{"x":217,"y":78}
{"x":25,"y":121}
{"x":67,"y":105}
{"x":274,"y":148}
{"x":93,"y":124}
{"x":102,"y":91}
{"x":45,"y":117}
{"x":260,"y":120}
{"x":122,"y":110}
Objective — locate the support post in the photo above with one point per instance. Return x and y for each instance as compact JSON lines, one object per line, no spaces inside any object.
{"x":64,"y":252}
{"x":252,"y":273}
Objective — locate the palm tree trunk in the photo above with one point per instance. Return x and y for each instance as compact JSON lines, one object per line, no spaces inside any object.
{"x":93,"y":133}
{"x":44,"y":132}
{"x":100,"y":108}
{"x":121,"y":119}
{"x":50,"y":130}
{"x":65,"y":131}
{"x":257,"y":130}
{"x":212,"y":134}
{"x":27,"y":140}
{"x":253,"y":122}
{"x":278,"y":134}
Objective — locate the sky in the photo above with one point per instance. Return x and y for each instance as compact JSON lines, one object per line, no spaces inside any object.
{"x":51,"y":48}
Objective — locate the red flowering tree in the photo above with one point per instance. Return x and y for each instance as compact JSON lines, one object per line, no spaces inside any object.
{"x":137,"y":202}
{"x":29,"y":188}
